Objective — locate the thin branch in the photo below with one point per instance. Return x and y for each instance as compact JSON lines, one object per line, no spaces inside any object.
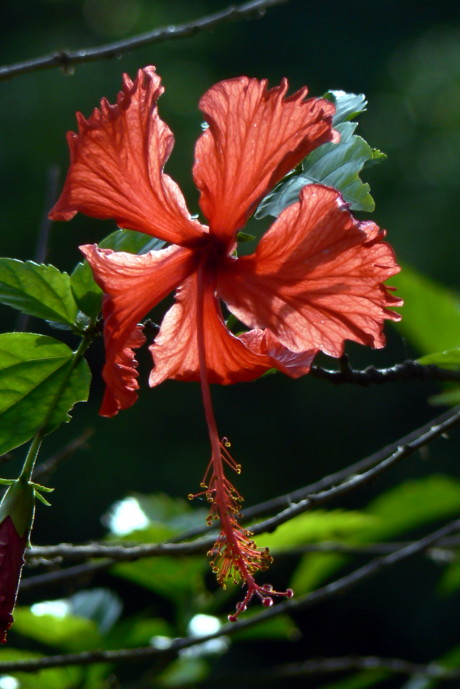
{"x":350,"y":481}
{"x":68,"y":59}
{"x":288,"y":606}
{"x":46,"y":468}
{"x":348,"y":581}
{"x":282,"y":501}
{"x":76,"y":573}
{"x":52,"y":186}
{"x":322,"y":666}
{"x":41,"y":248}
{"x":6,"y":458}
{"x":443,"y":549}
{"x":418,"y":439}
{"x":407,"y":370}
{"x":118,"y":553}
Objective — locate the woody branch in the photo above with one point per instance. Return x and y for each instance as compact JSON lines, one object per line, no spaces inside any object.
{"x":407,"y":370}
{"x":68,"y":59}
{"x":313,"y":495}
{"x":327,"y":666}
{"x":335,"y":588}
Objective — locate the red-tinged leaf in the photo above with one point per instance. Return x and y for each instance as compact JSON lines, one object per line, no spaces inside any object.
{"x":12,"y":547}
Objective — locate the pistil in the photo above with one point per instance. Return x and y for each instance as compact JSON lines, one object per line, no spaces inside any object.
{"x":234,"y":556}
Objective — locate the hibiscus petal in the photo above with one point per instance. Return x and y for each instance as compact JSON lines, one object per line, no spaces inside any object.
{"x":175,"y":350}
{"x":316,"y":278}
{"x":116,"y":166}
{"x":120,"y":375}
{"x":293,"y":364}
{"x":133,"y":285}
{"x":254,"y":138}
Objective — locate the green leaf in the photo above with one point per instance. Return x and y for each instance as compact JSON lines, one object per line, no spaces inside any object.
{"x":431,"y":313}
{"x":451,"y":659}
{"x":178,"y":514}
{"x":87,"y":293}
{"x":450,"y":398}
{"x":67,"y":632}
{"x":314,"y":527}
{"x":33,"y":369}
{"x":318,"y":525}
{"x":450,"y":580}
{"x":336,"y":165}
{"x":359,"y":680}
{"x":37,"y":289}
{"x":431,"y":323}
{"x":313,"y":569}
{"x":187,"y":670}
{"x":447,"y":359}
{"x":405,"y":507}
{"x":152,"y":518}
{"x":175,"y":578}
{"x":54,"y":678}
{"x":132,"y":242}
{"x":280,"y":627}
{"x":412,"y":504}
{"x":100,"y":605}
{"x":347,"y":105}
{"x":138,"y":631}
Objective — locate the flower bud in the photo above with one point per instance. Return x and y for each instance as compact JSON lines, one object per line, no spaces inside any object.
{"x":16,"y":518}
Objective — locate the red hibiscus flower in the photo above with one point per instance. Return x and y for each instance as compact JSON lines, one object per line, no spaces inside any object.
{"x":314,"y":281}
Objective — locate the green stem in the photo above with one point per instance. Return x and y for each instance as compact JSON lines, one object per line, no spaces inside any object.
{"x":32,"y":454}
{"x":29,"y":462}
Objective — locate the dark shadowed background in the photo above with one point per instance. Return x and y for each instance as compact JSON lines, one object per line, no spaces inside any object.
{"x":285,"y":433}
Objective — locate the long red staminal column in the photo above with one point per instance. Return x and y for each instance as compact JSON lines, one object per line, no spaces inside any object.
{"x":234,"y":556}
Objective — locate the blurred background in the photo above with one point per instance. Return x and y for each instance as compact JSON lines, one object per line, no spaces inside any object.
{"x":285,"y":433}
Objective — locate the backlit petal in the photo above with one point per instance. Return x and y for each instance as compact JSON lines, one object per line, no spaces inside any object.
{"x":254,"y":138}
{"x":293,"y":364}
{"x":117,"y":161}
{"x":316,"y":278}
{"x":175,"y":350}
{"x":133,"y":285}
{"x":120,"y":375}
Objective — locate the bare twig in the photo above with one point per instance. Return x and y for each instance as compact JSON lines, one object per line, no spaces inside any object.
{"x":122,"y":553}
{"x":322,"y":666}
{"x":443,"y":550}
{"x":444,"y":547}
{"x":46,"y":468}
{"x":349,"y":481}
{"x":348,"y":581}
{"x":402,"y":451}
{"x":118,"y":553}
{"x":52,"y":185}
{"x":41,"y":248}
{"x":282,"y":501}
{"x":68,"y":59}
{"x":288,"y":606}
{"x":5,"y":458}
{"x":407,"y":370}
{"x":75,"y":574}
